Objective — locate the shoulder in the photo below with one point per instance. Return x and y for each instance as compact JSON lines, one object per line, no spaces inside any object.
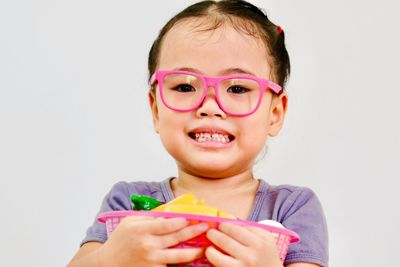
{"x":294,"y":202}
{"x":284,"y":201}
{"x":122,"y":191}
{"x":286,"y":197}
{"x":137,"y":187}
{"x":289,"y":195}
{"x":289,"y":190}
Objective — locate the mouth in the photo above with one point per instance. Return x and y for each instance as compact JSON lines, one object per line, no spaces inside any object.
{"x":210,"y":135}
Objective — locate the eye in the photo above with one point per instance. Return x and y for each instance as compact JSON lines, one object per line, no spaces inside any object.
{"x":237,"y":90}
{"x":184,"y":88}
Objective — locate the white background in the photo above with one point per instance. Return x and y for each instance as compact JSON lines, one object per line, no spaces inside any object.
{"x":74,"y":119}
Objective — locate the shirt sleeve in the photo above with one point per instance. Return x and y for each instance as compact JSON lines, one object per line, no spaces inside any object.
{"x":303,"y":214}
{"x":117,"y":199}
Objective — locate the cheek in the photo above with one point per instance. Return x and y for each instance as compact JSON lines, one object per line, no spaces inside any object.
{"x":255,"y":137}
{"x":171,"y":124}
{"x":254,"y":131}
{"x":259,"y":121}
{"x":167,"y":132}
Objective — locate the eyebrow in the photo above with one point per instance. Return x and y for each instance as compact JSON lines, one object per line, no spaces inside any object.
{"x":228,"y":71}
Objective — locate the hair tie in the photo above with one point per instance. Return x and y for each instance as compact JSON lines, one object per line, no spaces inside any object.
{"x":280,"y":29}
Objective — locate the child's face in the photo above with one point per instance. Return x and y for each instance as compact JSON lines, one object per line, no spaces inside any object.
{"x":212,"y":53}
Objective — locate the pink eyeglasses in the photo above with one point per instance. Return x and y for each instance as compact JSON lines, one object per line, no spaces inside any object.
{"x":236,"y":95}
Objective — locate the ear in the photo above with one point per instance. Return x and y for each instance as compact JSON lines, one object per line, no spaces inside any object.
{"x":277,"y":113}
{"x":154,"y":109}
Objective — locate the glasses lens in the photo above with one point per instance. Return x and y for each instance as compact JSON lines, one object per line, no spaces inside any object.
{"x":182,"y":91}
{"x":239,"y":96}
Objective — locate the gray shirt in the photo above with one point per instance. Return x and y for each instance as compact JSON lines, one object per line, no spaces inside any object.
{"x":297,"y":208}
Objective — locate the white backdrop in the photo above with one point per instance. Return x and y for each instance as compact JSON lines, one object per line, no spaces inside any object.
{"x":74,"y":119}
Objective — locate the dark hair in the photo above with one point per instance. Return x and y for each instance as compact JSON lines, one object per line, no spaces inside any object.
{"x":244,"y":17}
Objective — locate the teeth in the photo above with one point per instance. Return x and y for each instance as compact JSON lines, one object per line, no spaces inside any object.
{"x":204,"y":137}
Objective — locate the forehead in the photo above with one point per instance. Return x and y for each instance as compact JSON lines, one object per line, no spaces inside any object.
{"x":187,"y":44}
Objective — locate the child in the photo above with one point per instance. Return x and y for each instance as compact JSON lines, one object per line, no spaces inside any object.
{"x":217,"y":70}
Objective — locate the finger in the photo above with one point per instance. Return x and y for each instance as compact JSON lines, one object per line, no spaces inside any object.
{"x":184,"y":234}
{"x":217,"y":258}
{"x":130,"y":221}
{"x":263,"y":234}
{"x":137,"y":218}
{"x":178,"y":255}
{"x":266,"y":237}
{"x":226,"y":243}
{"x":239,"y":233}
{"x":144,"y":224}
{"x":162,"y":226}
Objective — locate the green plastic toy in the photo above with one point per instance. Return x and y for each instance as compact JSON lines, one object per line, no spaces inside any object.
{"x":142,"y":202}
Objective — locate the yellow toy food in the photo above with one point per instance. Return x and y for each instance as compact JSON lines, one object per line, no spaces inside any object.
{"x":189,"y":203}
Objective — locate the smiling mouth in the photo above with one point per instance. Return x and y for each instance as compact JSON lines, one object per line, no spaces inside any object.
{"x":202,"y":137}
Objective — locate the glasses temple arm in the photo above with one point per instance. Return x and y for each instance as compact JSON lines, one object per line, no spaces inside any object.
{"x":153,"y":79}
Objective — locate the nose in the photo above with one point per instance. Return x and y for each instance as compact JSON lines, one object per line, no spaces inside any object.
{"x":210,"y":106}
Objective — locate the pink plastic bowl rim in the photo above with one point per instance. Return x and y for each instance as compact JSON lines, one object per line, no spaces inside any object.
{"x":294,"y":237}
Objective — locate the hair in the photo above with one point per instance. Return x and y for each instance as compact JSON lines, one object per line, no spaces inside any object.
{"x":244,"y":17}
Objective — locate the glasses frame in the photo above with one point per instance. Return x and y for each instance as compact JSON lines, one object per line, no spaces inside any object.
{"x":214,"y":82}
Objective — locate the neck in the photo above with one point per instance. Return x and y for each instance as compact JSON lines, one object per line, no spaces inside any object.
{"x":202,"y":186}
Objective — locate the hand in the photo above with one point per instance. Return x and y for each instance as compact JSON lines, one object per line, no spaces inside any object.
{"x":144,"y":242}
{"x":244,"y":247}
